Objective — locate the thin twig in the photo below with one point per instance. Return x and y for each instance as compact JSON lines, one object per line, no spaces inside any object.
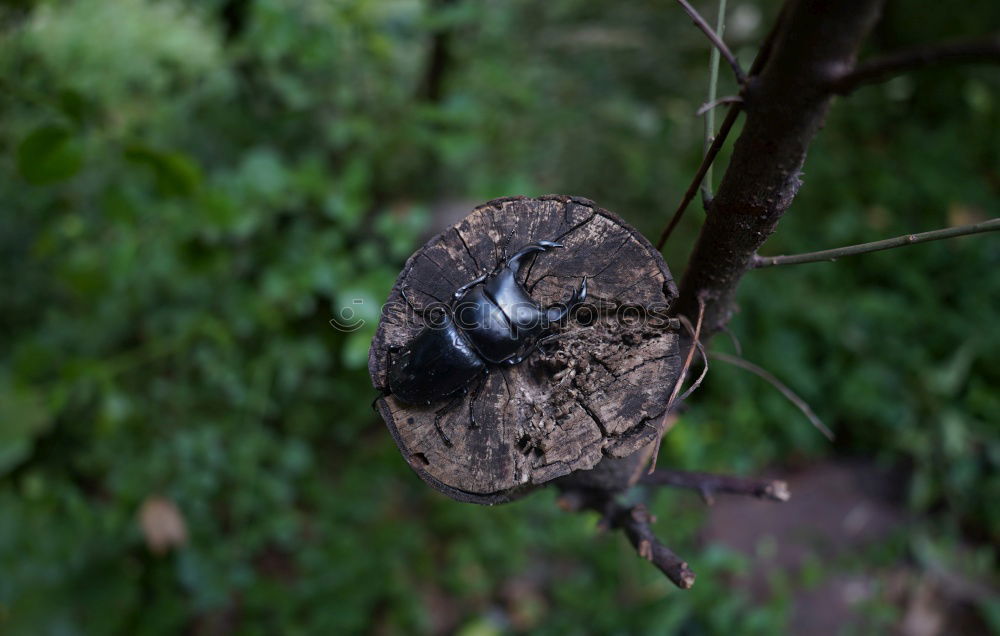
{"x":713,"y":83}
{"x":636,"y":523}
{"x":707,"y":484}
{"x":900,"y":241}
{"x":882,"y":68}
{"x":706,"y":162}
{"x":741,"y":76}
{"x":736,"y":341}
{"x":720,"y":137}
{"x":778,"y":384}
{"x":704,"y":358}
{"x":690,"y":354}
{"x":708,"y":107}
{"x":680,"y":380}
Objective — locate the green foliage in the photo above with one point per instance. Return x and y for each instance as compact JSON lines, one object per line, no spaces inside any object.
{"x":48,"y":154}
{"x":187,"y":204}
{"x":117,"y":50}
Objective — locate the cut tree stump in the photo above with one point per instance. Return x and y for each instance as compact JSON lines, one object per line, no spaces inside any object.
{"x":600,"y":390}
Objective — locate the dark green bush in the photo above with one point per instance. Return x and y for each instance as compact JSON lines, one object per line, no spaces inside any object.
{"x":189,"y":198}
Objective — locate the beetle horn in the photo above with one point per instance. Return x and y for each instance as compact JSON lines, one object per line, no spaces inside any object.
{"x":557,"y":312}
{"x":514,"y":262}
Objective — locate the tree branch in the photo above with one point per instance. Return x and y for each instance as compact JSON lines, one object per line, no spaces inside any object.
{"x":790,"y":395}
{"x":636,"y":523}
{"x":704,"y":360}
{"x":439,"y":60}
{"x":741,"y":76}
{"x":720,"y":138}
{"x":992,"y":225}
{"x":708,"y":484}
{"x":786,"y":106}
{"x":713,"y":88}
{"x":715,"y":103}
{"x":706,"y":163}
{"x":879,"y":69}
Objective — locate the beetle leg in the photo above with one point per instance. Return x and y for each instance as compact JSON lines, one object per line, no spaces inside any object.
{"x":538,"y":344}
{"x":425,"y":314}
{"x":440,"y":412}
{"x":546,"y":340}
{"x":383,"y":393}
{"x":420,"y":311}
{"x":475,"y":394}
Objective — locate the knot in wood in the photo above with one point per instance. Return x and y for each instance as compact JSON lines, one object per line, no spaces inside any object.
{"x":598,"y":389}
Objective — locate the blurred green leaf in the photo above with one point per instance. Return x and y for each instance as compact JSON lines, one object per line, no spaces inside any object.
{"x":75,"y":105}
{"x":23,"y":417}
{"x":174,"y":172}
{"x":49,"y":154}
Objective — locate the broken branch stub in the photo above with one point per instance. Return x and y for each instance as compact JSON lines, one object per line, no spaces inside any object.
{"x":598,"y":389}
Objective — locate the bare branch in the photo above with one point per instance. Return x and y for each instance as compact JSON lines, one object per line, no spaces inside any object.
{"x":736,"y":341}
{"x":715,"y":103}
{"x":708,"y":484}
{"x":778,"y":384}
{"x":887,"y":244}
{"x":706,"y":162}
{"x":704,"y":358}
{"x":986,"y":50}
{"x":713,"y":87}
{"x":717,"y":42}
{"x":720,"y":138}
{"x":439,"y":61}
{"x":786,"y":105}
{"x":636,"y":523}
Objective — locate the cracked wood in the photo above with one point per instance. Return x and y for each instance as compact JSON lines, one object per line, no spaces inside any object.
{"x":597,"y":392}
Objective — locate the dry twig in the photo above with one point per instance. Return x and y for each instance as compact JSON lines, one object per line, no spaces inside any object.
{"x":778,"y":384}
{"x":704,"y":358}
{"x":708,"y":484}
{"x":716,"y":41}
{"x":636,"y":522}
{"x":695,"y":343}
{"x":715,"y":103}
{"x":992,"y":225}
{"x":720,"y":137}
{"x":706,"y":163}
{"x":986,"y":50}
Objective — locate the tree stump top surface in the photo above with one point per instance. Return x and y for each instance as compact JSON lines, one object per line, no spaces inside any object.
{"x":601,"y":389}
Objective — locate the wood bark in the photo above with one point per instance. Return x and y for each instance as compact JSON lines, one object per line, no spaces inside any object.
{"x":785,"y":107}
{"x":602,"y":388}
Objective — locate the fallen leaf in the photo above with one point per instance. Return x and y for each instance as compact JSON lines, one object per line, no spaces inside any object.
{"x":162,"y":524}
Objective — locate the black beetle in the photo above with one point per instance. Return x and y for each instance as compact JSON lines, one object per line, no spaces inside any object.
{"x":489,"y":321}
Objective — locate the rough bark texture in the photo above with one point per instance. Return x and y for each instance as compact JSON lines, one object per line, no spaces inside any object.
{"x":600,"y":391}
{"x":785,"y":105}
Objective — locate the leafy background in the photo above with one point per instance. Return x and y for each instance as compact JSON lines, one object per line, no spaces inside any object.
{"x":192,"y":190}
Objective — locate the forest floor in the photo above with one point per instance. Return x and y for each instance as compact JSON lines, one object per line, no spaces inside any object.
{"x":839,"y":512}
